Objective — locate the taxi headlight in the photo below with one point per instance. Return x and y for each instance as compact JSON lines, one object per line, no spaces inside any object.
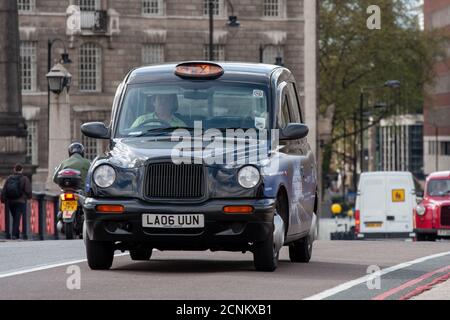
{"x":248,"y":177}
{"x":104,"y":176}
{"x":420,"y":210}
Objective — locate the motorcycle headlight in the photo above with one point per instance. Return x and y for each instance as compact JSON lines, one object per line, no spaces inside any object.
{"x":420,"y":210}
{"x":248,"y":177}
{"x":104,"y":176}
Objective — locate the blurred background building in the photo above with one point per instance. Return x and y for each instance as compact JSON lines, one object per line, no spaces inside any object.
{"x":437,"y":106}
{"x":110,"y":37}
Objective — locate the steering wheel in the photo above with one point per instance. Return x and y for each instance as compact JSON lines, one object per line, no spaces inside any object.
{"x":165,"y":124}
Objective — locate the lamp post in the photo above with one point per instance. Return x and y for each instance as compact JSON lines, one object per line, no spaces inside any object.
{"x":64,"y":60}
{"x":392,"y":84}
{"x":232,"y":22}
{"x":59,"y":80}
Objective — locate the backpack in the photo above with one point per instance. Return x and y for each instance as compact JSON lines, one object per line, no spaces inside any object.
{"x":13,"y":187}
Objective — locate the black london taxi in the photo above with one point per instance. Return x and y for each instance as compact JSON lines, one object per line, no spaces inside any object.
{"x":203,"y":156}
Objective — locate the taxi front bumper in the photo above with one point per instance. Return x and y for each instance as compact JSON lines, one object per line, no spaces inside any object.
{"x":222,"y":231}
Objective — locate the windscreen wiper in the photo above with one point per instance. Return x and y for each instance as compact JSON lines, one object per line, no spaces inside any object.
{"x":159,"y":131}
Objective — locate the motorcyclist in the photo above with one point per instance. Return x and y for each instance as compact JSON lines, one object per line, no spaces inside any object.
{"x":76,"y":161}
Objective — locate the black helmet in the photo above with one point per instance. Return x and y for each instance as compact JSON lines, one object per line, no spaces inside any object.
{"x":76,"y":147}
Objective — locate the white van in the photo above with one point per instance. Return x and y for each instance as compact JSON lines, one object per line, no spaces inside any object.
{"x":385,"y":204}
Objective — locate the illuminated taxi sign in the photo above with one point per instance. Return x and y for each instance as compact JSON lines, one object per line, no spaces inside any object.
{"x":199,"y":70}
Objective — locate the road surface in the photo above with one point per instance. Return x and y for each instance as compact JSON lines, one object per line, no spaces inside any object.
{"x":338,"y":270}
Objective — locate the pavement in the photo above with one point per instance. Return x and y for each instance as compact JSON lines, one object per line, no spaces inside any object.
{"x":338,"y":270}
{"x":438,"y":292}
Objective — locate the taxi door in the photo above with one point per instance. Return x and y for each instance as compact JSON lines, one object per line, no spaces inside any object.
{"x":294,"y":163}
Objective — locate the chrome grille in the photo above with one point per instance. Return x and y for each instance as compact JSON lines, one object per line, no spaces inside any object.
{"x":172,"y":181}
{"x":445,"y":216}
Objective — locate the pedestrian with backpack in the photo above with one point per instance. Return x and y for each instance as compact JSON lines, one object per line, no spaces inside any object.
{"x":16,"y":192}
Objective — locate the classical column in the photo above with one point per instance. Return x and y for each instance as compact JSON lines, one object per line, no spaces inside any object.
{"x":310,"y":73}
{"x":12,"y":125}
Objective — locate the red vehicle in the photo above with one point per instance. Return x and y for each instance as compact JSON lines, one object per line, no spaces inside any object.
{"x":432,"y":215}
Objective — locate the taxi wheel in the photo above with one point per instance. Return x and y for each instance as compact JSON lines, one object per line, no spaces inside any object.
{"x":265,"y":254}
{"x":140,"y":254}
{"x":100,"y":254}
{"x":301,"y":250}
{"x":265,"y":257}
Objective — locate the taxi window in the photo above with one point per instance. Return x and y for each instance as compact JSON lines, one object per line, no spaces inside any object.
{"x":293,"y":103}
{"x":284,"y":118}
{"x":179,"y":104}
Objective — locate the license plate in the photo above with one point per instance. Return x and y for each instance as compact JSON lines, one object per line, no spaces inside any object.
{"x":443,"y":232}
{"x":68,"y":214}
{"x":69,"y":206}
{"x":373,"y":224}
{"x":173,"y":221}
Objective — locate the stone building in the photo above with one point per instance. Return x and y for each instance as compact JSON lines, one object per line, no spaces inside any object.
{"x":110,"y":37}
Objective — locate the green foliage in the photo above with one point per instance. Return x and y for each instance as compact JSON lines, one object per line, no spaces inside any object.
{"x":352,"y":56}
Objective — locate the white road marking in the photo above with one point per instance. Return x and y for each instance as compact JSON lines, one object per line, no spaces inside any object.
{"x":48,"y":266}
{"x":347,"y":285}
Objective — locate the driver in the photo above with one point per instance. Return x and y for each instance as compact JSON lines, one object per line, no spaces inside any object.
{"x":440,"y":188}
{"x":165,"y":106}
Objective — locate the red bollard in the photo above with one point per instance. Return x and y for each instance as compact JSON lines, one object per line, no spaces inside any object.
{"x":34,"y":218}
{"x":50,"y":218}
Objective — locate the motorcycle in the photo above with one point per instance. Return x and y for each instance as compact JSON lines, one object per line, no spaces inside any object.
{"x":70,"y":215}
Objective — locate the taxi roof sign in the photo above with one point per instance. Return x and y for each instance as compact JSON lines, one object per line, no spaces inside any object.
{"x":199,"y":70}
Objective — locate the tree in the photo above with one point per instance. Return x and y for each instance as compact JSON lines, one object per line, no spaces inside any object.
{"x":352,"y":56}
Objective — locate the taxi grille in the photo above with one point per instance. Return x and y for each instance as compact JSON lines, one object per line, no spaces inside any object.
{"x":445,"y":216}
{"x":172,"y":181}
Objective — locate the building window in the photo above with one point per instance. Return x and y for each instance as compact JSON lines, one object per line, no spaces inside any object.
{"x":32,"y":141}
{"x":218,"y":52}
{"x":216,"y":7}
{"x":25,"y":5}
{"x":152,"y":53}
{"x":445,"y":148}
{"x":152,"y":7}
{"x":89,"y":5}
{"x":272,"y":8}
{"x":90,"y":67}
{"x":435,"y":148}
{"x":28,"y":65}
{"x":92,"y":147}
{"x":439,"y":18}
{"x":271,"y":53}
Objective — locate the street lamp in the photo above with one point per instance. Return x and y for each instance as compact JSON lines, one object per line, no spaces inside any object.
{"x":58,"y":78}
{"x":393,"y":84}
{"x":232,"y":22}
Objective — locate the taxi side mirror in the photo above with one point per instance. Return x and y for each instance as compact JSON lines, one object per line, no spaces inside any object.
{"x":96,"y":130}
{"x":294,"y":131}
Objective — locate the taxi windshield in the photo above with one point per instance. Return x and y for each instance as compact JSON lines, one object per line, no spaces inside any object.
{"x":438,"y":188}
{"x":149,"y":109}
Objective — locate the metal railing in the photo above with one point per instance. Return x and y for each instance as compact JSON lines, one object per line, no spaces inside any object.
{"x":39,"y":222}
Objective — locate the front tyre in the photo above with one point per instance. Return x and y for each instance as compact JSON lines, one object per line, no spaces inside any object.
{"x":265,"y":256}
{"x":301,"y":250}
{"x":69,"y":230}
{"x":100,"y":254}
